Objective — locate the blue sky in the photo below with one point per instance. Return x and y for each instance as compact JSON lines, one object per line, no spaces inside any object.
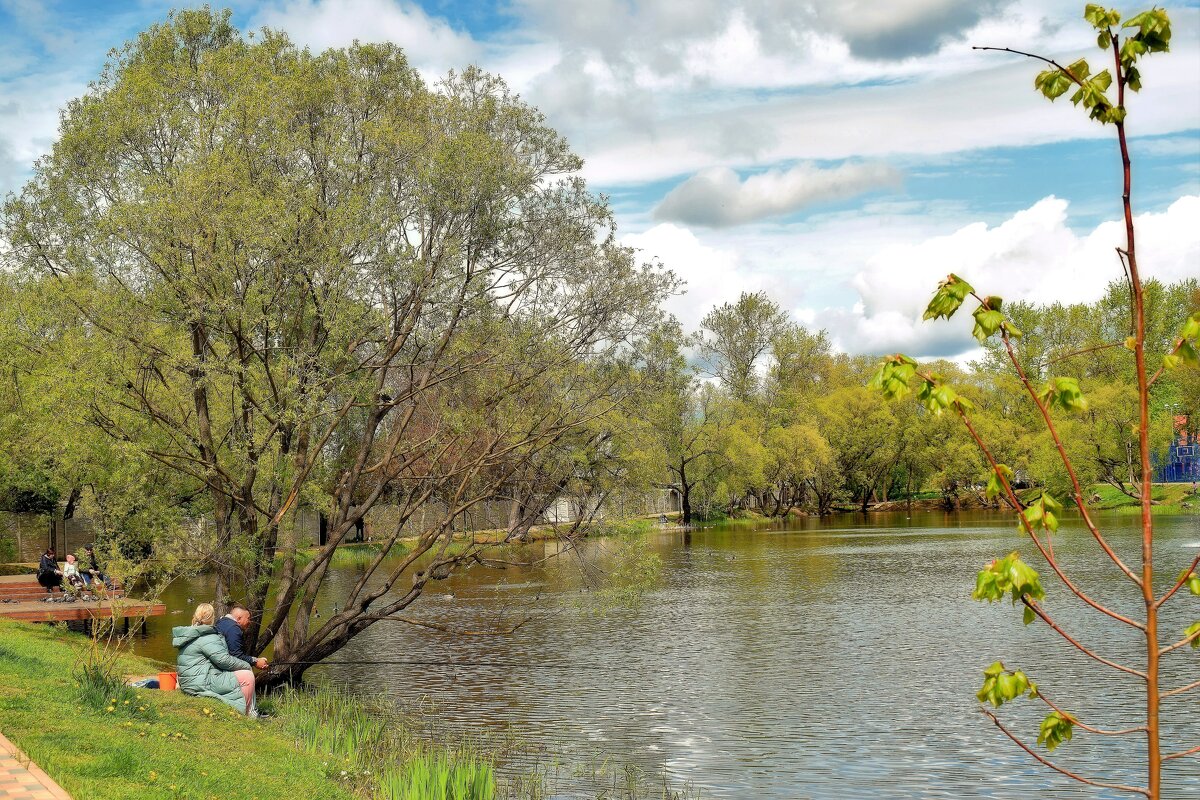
{"x":841,"y":154}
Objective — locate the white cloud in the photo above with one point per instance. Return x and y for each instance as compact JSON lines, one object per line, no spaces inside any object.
{"x":1033,"y":256}
{"x":717,"y":198}
{"x":713,"y":275}
{"x":427,"y":41}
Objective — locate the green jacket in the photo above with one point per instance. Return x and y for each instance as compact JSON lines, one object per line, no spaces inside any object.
{"x":205,"y":666}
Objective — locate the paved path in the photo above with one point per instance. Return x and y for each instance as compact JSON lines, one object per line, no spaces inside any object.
{"x":21,"y":779}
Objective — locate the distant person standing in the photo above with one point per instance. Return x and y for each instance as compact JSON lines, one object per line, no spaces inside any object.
{"x":233,"y":627}
{"x":48,"y":574}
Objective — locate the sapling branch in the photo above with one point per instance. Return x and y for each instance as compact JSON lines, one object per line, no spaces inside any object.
{"x":1073,"y":775}
{"x":1181,"y":643}
{"x":1033,"y":535}
{"x":1191,"y":751}
{"x":1049,"y":61}
{"x":1179,"y":583}
{"x":1077,"y":495}
{"x":1041,"y":613}
{"x":1180,"y":690}
{"x":1075,"y":720}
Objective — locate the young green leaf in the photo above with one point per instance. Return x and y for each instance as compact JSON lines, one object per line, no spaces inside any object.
{"x":1100,"y":17}
{"x":1063,"y":393}
{"x":949,"y":296}
{"x":987,"y":322}
{"x":1001,"y":685}
{"x":1007,"y":576}
{"x":893,"y":376}
{"x":1055,"y":729}
{"x":994,"y":486}
{"x":1192,"y":630}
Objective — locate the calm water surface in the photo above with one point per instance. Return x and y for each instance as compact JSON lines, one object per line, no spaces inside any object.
{"x":836,"y":658}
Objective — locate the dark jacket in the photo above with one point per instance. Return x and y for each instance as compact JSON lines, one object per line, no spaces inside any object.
{"x":47,"y":565}
{"x":233,"y":638}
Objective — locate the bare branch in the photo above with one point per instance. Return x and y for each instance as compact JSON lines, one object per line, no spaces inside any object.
{"x":1191,"y":751}
{"x":1037,"y":609}
{"x":1073,"y":775}
{"x":1180,"y":690}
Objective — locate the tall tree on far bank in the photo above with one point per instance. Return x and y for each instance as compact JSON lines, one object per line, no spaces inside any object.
{"x":734,"y":338}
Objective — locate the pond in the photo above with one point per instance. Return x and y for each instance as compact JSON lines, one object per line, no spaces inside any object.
{"x":831,"y":658}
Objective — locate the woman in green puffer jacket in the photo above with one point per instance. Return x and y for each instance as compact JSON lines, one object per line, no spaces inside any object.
{"x":205,"y":667}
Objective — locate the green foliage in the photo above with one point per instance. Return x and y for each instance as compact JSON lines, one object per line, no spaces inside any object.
{"x":1153,"y":35}
{"x":995,"y":487}
{"x":1101,"y":17}
{"x":1055,"y":729}
{"x":893,"y":376}
{"x":30,"y":490}
{"x":1040,"y":510}
{"x":949,"y":296}
{"x":937,"y":396}
{"x":1001,"y":685}
{"x":1008,"y":576}
{"x":1187,"y":347}
{"x":988,"y":319}
{"x":1063,"y":393}
{"x":1193,"y":630}
{"x":437,"y":776}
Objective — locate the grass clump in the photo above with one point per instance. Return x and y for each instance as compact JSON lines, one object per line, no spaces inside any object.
{"x":431,"y":775}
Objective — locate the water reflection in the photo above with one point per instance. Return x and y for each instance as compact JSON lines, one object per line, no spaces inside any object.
{"x":836,"y":658}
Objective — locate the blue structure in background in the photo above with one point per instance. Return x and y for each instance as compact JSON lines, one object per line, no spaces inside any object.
{"x":1182,"y":464}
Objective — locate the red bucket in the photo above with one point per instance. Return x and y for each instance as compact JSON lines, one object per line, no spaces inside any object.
{"x":167,"y":682}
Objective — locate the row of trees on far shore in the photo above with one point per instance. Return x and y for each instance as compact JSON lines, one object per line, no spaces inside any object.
{"x":767,"y":415}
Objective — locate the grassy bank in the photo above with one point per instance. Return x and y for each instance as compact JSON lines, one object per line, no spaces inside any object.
{"x":159,"y":745}
{"x":1169,"y":498}
{"x":317,"y":743}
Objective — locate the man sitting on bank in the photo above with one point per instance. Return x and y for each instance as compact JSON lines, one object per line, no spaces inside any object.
{"x":232,"y":626}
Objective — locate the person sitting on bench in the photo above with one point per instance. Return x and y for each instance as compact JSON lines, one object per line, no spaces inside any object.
{"x":91,"y":568}
{"x":48,"y":574}
{"x":72,"y":580}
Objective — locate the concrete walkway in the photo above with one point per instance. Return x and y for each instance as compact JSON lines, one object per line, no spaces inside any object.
{"x":21,"y":779}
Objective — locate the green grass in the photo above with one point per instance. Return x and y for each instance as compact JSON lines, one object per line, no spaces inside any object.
{"x":438,"y":776}
{"x":1168,"y":497}
{"x":175,"y":747}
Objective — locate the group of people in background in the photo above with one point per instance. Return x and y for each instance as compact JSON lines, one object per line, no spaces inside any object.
{"x":72,"y":578}
{"x":212,"y":661}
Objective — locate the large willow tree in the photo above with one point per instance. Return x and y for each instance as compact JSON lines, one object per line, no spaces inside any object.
{"x":312,"y":280}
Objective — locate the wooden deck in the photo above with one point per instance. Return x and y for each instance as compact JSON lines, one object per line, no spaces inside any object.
{"x":23,"y":598}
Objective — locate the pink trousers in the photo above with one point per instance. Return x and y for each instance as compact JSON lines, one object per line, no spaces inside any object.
{"x":245,"y":680}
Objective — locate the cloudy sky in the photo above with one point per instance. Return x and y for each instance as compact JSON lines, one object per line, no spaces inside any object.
{"x":842,"y":155}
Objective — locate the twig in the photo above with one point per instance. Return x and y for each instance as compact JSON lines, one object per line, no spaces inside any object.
{"x":1180,"y":643}
{"x":1179,"y":583}
{"x":1189,"y":752}
{"x":1082,"y":352}
{"x":1046,"y":618}
{"x":1029,"y":530}
{"x":1062,"y":452}
{"x":445,"y":628}
{"x":1074,"y":776}
{"x":1075,"y":720}
{"x":1180,"y":690}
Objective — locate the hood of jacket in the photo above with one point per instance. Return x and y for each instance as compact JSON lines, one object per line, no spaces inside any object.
{"x":184,"y":635}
